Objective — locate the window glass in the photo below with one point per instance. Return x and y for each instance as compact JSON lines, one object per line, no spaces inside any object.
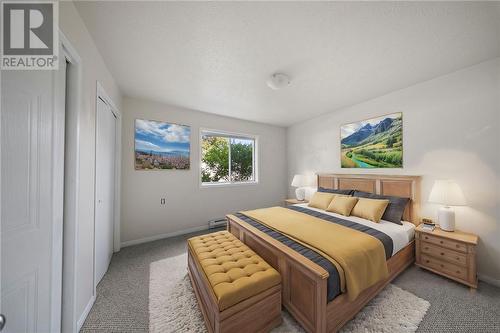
{"x":226,"y":158}
{"x":214,"y":159}
{"x":241,"y":160}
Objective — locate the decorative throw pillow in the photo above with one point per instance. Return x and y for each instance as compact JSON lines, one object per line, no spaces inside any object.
{"x":321,"y":200}
{"x":342,"y":205}
{"x":329,"y":190}
{"x":394,"y":211}
{"x":370,"y":209}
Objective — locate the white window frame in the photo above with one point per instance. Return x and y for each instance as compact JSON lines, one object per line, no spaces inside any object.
{"x":255,"y":160}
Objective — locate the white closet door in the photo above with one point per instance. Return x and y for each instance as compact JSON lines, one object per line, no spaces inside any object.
{"x":32,"y":179}
{"x":105,"y":187}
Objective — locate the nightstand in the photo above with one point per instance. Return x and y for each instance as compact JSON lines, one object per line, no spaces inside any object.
{"x":450,"y":254}
{"x":289,"y":202}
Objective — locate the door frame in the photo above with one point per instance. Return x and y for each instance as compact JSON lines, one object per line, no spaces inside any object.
{"x":69,"y":315}
{"x":0,"y":193}
{"x":58,"y":181}
{"x":103,"y":95}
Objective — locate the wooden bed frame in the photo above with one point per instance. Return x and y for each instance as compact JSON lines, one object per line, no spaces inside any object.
{"x":304,"y":283}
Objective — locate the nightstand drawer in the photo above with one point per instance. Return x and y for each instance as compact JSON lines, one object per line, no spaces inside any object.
{"x":448,"y":243}
{"x":444,"y":267}
{"x":451,"y":254}
{"x":444,"y":254}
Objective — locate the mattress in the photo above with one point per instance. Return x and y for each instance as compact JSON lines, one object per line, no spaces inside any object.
{"x":397,"y":235}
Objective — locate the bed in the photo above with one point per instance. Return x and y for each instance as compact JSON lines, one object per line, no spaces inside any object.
{"x":306,"y":283}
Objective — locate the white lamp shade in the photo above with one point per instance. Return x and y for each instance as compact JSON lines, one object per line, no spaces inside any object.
{"x":448,"y":193}
{"x":310,"y":180}
{"x":298,"y":181}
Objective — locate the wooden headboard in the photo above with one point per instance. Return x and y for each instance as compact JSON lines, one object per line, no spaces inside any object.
{"x":400,"y":186}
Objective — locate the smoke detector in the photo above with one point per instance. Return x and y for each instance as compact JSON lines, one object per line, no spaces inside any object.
{"x":278,"y":81}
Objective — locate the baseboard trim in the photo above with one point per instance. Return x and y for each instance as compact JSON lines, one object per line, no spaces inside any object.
{"x":162,"y":236}
{"x":489,"y":280}
{"x":85,"y":313}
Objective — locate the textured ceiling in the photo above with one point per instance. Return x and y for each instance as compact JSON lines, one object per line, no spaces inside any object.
{"x":215,"y":57}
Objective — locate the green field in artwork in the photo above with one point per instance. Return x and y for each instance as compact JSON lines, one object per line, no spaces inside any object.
{"x":373,"y":143}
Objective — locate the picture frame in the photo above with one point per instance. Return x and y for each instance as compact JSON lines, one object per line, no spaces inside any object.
{"x":373,"y":143}
{"x":160,"y":145}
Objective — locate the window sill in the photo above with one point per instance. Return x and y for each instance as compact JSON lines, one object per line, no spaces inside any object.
{"x":209,"y":185}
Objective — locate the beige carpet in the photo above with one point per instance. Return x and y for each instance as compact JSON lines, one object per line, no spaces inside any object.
{"x":173,"y":306}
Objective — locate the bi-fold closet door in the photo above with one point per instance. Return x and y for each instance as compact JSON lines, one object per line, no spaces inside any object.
{"x":104,"y":187}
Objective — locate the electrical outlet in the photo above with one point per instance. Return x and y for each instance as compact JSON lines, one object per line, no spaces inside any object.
{"x":162,"y":201}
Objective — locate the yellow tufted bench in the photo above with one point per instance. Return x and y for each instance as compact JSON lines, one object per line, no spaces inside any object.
{"x":236,"y":289}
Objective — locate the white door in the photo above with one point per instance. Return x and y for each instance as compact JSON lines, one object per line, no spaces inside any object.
{"x":32,"y":179}
{"x":105,"y":187}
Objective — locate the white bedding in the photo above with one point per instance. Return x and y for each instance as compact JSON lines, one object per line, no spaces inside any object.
{"x":401,"y":235}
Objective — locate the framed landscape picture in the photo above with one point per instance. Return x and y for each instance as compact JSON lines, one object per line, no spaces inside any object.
{"x":373,"y":143}
{"x":161,"y":146}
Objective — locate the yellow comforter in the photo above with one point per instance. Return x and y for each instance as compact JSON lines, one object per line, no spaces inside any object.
{"x":359,"y":257}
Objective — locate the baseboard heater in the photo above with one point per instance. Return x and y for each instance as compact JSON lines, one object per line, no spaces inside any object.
{"x":217,"y":223}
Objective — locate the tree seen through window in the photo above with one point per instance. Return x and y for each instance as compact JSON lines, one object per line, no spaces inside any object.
{"x":227,"y":159}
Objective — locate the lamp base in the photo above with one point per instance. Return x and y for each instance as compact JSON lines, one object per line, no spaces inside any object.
{"x":300,"y":193}
{"x":446,"y":219}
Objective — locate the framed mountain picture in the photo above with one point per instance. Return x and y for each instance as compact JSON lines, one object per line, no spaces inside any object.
{"x":373,"y":143}
{"x":161,"y":146}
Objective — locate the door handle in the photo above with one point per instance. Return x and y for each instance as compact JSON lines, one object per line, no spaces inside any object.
{"x":2,"y":321}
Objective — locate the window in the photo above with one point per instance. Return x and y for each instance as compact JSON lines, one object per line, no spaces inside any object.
{"x":227,"y":158}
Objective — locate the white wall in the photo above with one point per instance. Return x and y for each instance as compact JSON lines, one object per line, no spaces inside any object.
{"x":94,"y":69}
{"x":187,"y":205}
{"x":451,"y":129}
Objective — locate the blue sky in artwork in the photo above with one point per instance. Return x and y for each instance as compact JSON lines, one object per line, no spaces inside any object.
{"x":162,"y":137}
{"x":348,"y":129}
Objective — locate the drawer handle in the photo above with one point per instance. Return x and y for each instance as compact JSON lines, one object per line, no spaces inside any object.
{"x":457,"y":246}
{"x":442,"y":253}
{"x":426,"y":237}
{"x":426,"y":248}
{"x":458,"y":272}
{"x":442,"y":266}
{"x":441,"y":242}
{"x":427,"y":261}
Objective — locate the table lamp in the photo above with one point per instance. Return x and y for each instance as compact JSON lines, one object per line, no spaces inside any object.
{"x":447,"y":193}
{"x":298,"y":182}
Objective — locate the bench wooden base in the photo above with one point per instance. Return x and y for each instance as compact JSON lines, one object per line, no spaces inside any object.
{"x":260,"y":313}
